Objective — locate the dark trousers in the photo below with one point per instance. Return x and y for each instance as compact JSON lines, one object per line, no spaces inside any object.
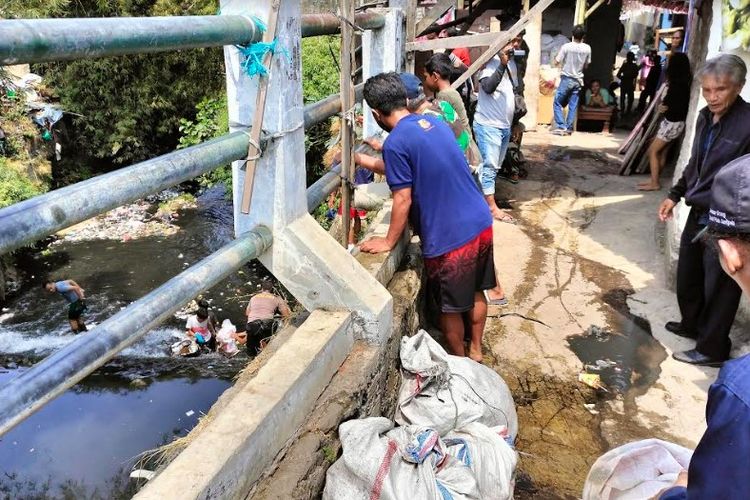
{"x":256,"y":331}
{"x":707,"y":296}
{"x":626,"y":96}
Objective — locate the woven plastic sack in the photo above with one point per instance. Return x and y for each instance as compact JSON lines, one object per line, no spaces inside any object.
{"x":445,"y":392}
{"x":636,"y":470}
{"x":405,"y":463}
{"x":486,"y":451}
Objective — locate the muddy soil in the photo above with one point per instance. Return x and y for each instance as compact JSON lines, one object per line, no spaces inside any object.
{"x":567,"y":313}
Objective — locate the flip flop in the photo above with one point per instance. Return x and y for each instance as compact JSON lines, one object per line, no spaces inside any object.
{"x":495,"y":302}
{"x":507,"y":218}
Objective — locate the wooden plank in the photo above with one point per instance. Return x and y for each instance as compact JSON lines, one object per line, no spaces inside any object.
{"x":593,"y":8}
{"x":643,"y":120}
{"x":347,"y":103}
{"x":411,"y":32}
{"x":260,"y":108}
{"x":433,"y":14}
{"x":478,"y":40}
{"x":501,"y":41}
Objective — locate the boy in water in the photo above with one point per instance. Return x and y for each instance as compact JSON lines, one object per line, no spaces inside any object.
{"x":73,"y":293}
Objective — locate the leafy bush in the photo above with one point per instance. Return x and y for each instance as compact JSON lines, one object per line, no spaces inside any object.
{"x":14,"y":186}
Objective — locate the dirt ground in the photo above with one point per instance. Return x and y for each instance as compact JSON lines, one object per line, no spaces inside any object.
{"x":584,"y":272}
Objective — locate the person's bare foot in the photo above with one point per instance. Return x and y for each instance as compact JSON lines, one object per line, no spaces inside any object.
{"x":649,"y":187}
{"x":475,"y":354}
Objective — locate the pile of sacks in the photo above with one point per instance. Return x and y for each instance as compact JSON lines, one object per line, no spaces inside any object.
{"x":456,"y":426}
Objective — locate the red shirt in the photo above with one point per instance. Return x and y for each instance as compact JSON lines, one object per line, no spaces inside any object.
{"x":463,"y":54}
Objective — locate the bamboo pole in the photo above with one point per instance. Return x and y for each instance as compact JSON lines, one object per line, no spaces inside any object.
{"x":347,"y":122}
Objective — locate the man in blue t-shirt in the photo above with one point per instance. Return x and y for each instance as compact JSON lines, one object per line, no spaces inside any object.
{"x":73,"y":293}
{"x":433,"y":189}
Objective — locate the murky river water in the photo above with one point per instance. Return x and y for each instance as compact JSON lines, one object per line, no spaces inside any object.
{"x":82,"y":444}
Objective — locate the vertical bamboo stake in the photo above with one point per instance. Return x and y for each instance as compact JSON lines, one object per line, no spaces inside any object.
{"x":347,"y":122}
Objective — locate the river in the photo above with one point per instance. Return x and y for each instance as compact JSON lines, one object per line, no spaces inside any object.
{"x":84,"y":443}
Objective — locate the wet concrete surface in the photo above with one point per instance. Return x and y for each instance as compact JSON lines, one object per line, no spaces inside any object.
{"x":571,"y":267}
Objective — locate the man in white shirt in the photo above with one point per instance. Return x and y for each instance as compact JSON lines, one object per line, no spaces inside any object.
{"x":573,"y":58}
{"x":492,"y":123}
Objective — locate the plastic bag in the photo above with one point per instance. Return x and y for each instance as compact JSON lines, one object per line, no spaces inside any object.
{"x":405,"y":463}
{"x":636,"y":470}
{"x":445,"y":392}
{"x":225,"y":342}
{"x":486,"y":451}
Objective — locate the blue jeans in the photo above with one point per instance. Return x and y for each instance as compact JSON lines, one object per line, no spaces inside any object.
{"x":566,"y":95}
{"x":493,"y":144}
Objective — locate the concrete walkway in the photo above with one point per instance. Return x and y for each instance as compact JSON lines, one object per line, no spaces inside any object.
{"x":586,"y":252}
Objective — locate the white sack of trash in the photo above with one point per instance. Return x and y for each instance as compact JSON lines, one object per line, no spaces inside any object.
{"x":445,"y":392}
{"x":489,"y":456}
{"x":635,"y":471}
{"x":380,"y":462}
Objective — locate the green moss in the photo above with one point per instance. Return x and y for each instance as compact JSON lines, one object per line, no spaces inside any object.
{"x":14,"y":186}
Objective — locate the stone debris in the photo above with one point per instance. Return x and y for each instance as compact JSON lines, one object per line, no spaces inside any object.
{"x":138,"y":220}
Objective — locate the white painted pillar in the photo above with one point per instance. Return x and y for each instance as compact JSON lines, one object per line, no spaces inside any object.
{"x":533,"y":38}
{"x":311,"y":265}
{"x":382,"y":51}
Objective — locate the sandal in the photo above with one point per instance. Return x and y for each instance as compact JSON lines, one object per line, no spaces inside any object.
{"x":495,"y":302}
{"x":507,"y":218}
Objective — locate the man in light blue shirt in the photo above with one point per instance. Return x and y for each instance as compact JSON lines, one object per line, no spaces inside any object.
{"x":73,"y":294}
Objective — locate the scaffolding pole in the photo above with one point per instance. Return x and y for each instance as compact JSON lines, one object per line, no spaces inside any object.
{"x":348,"y":118}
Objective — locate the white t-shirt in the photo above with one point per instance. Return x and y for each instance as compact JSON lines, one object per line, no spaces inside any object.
{"x":573,"y":57}
{"x":198,"y":326}
{"x":496,"y":109}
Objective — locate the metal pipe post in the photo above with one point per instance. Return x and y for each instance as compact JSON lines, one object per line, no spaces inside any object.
{"x":41,"y":40}
{"x":329,"y":24}
{"x":328,"y":107}
{"x":43,"y":215}
{"x":32,"y":389}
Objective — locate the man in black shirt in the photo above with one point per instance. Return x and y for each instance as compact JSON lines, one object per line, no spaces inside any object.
{"x":707,"y":297}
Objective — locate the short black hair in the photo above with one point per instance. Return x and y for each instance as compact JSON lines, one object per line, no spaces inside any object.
{"x":595,"y":80}
{"x":202,"y":313}
{"x":630,"y":56}
{"x":579,"y":32}
{"x":46,"y":282}
{"x":678,"y":70}
{"x":204,"y":303}
{"x":266,"y":285}
{"x":441,"y":64}
{"x":385,"y":92}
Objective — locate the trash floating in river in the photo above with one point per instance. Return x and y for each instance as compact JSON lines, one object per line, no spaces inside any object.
{"x":592,"y":380}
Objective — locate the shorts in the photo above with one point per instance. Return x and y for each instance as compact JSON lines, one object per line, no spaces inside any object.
{"x":669,"y":131}
{"x":75,"y":309}
{"x":456,"y":276}
{"x":256,"y":331}
{"x":353,"y":212}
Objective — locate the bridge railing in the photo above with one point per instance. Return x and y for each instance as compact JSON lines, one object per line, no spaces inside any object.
{"x":31,"y":41}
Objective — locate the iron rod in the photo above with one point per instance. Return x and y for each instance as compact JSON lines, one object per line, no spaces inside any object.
{"x":32,"y":389}
{"x":42,"y":40}
{"x":35,"y":218}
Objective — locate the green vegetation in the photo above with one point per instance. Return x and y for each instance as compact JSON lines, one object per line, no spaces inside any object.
{"x":14,"y":186}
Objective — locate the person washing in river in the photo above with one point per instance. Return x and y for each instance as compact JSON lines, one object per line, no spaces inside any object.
{"x":200,"y":328}
{"x":73,"y":293}
{"x":260,"y":315}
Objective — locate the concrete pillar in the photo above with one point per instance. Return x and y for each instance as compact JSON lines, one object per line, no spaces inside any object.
{"x":382,"y":50}
{"x":311,"y":265}
{"x":533,"y":38}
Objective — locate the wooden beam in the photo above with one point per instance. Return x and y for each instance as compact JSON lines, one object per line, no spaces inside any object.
{"x":260,"y":109}
{"x":433,"y":14}
{"x":347,"y":120}
{"x":593,"y":8}
{"x":502,"y":40}
{"x":411,"y":31}
{"x":478,"y":40}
